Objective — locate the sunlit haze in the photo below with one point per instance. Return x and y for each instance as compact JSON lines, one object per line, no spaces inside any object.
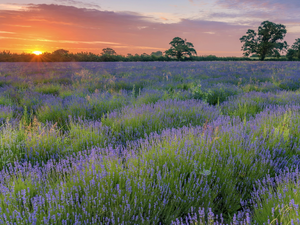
{"x":138,"y":26}
{"x":37,"y":52}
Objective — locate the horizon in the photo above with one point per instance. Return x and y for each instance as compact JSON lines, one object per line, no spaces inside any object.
{"x":214,"y":27}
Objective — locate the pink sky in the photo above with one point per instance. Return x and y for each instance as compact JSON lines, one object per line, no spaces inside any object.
{"x":77,"y":26}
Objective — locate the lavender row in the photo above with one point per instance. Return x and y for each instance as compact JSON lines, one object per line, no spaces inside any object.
{"x":49,"y":108}
{"x":122,"y":74}
{"x":38,"y":142}
{"x":213,"y":166}
{"x":68,"y":87}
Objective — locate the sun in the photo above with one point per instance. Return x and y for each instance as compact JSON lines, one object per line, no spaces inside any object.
{"x":37,"y":52}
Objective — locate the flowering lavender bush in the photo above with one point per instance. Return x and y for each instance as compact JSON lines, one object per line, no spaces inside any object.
{"x":150,"y":143}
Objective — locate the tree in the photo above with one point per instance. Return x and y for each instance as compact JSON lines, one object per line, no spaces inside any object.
{"x":180,"y":48}
{"x":60,"y":52}
{"x":296,"y":48}
{"x":144,"y":55}
{"x":108,"y":51}
{"x":60,"y":55}
{"x":266,"y":42}
{"x":157,"y":54}
{"x":290,"y":54}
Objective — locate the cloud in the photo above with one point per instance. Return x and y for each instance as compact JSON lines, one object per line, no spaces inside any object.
{"x":259,"y":4}
{"x":49,"y":27}
{"x":11,"y":7}
{"x":275,"y":8}
{"x":78,"y":42}
{"x":294,"y":29}
{"x":209,"y":32}
{"x":15,"y":25}
{"x":253,"y":12}
{"x":78,"y":3}
{"x":6,"y":32}
{"x":199,"y":3}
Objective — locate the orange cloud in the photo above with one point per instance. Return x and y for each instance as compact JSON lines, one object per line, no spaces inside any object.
{"x":6,"y":32}
{"x":49,"y":27}
{"x":163,"y":18}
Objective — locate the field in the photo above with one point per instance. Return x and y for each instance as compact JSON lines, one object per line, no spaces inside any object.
{"x":150,"y":143}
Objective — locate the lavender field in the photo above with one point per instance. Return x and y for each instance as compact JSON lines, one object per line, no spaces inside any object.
{"x":150,"y":143}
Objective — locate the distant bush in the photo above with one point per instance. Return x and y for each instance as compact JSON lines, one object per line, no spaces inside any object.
{"x":215,"y":94}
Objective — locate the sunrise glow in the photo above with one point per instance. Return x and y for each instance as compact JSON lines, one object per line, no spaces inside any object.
{"x":37,"y":52}
{"x":49,"y":25}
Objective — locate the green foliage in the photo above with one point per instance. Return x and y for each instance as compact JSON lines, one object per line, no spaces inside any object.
{"x":147,"y":98}
{"x":108,"y":51}
{"x":48,"y":89}
{"x":6,"y":56}
{"x":81,"y":136}
{"x":100,"y":105}
{"x":5,"y":101}
{"x":57,"y":113}
{"x":31,"y":140}
{"x":6,"y":115}
{"x":60,"y":52}
{"x":283,"y":207}
{"x":59,"y":55}
{"x":266,"y":41}
{"x":213,"y":95}
{"x":291,"y":53}
{"x":157,"y":53}
{"x":180,"y":49}
{"x":294,"y":51}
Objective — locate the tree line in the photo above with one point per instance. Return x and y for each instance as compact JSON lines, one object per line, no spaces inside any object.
{"x":268,"y":41}
{"x":107,"y":55}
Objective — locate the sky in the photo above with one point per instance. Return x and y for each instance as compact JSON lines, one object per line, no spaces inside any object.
{"x":139,"y":26}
